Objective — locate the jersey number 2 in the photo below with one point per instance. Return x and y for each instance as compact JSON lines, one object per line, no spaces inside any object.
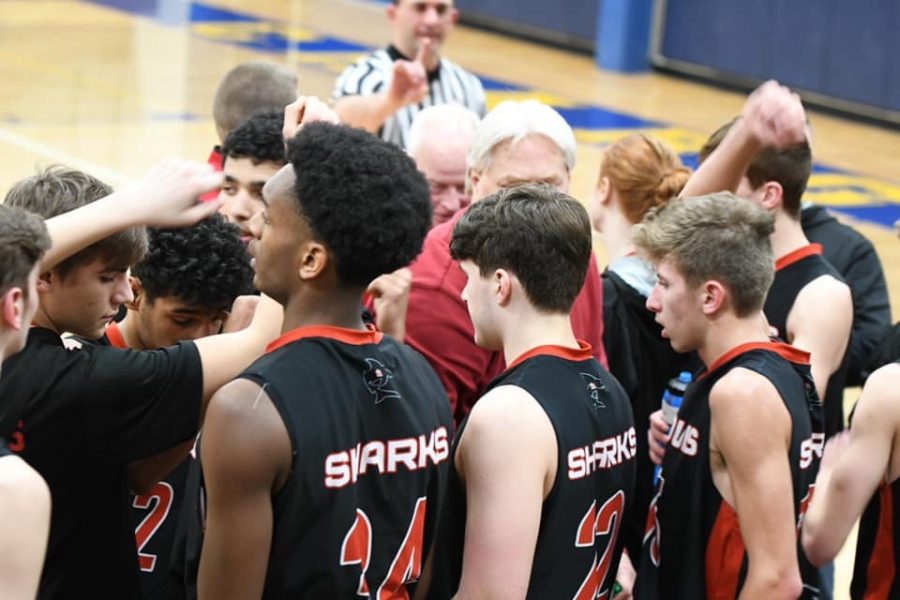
{"x":606,"y":521}
{"x":163,"y":494}
{"x":407,"y":564}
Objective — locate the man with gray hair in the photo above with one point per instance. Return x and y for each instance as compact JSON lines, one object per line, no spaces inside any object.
{"x":439,"y":141}
{"x":516,"y":143}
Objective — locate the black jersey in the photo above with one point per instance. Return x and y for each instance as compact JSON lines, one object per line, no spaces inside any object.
{"x":693,"y":546}
{"x":155,"y":517}
{"x":643,"y":362}
{"x":877,"y":565}
{"x":370,"y":427}
{"x":579,"y":543}
{"x":792,"y":273}
{"x":84,"y":413}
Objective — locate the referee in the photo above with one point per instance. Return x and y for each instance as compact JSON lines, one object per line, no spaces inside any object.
{"x":383,"y":91}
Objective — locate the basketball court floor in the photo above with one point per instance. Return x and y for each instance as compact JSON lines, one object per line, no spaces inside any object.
{"x":112,"y":86}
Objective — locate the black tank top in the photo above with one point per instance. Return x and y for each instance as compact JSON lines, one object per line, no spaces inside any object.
{"x":370,"y":427}
{"x":875,"y":572}
{"x":693,"y":546}
{"x":643,"y":362}
{"x":579,"y":541}
{"x":792,"y":273}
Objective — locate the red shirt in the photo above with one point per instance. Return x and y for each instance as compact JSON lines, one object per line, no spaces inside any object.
{"x":438,"y":323}
{"x":217,"y":161}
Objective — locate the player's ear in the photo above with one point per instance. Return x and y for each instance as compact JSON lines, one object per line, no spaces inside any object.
{"x":712,"y":296}
{"x":46,"y":281}
{"x":313,"y":260}
{"x":503,"y":286}
{"x":772,"y":195}
{"x":392,"y":12}
{"x":137,"y":290}
{"x":12,"y":306}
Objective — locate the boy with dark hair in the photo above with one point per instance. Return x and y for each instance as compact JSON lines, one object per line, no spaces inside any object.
{"x":247,"y":89}
{"x":24,"y":497}
{"x":542,"y":468}
{"x":252,"y":153}
{"x":325,"y":461}
{"x":94,"y":420}
{"x":183,"y":290}
{"x":185,"y":285}
{"x":809,"y":305}
{"x":741,"y":459}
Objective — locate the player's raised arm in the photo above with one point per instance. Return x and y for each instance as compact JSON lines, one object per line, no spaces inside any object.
{"x":166,"y":197}
{"x":772,"y":116}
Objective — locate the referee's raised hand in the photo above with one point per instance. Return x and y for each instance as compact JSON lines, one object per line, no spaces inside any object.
{"x":410,"y":81}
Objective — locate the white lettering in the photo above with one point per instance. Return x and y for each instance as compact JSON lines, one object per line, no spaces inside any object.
{"x":602,"y":454}
{"x":382,"y":457}
{"x":811,"y":449}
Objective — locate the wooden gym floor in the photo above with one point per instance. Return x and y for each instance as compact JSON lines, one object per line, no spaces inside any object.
{"x":112,"y":86}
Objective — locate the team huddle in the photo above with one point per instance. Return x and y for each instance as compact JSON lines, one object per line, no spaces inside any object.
{"x":369,"y":352}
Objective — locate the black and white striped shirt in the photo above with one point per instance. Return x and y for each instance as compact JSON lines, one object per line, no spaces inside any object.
{"x":449,"y":83}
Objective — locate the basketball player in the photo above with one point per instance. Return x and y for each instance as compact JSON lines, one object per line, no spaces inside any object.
{"x":741,"y":459}
{"x":24,"y":497}
{"x":86,"y":417}
{"x":543,"y":467}
{"x":325,"y":461}
{"x":183,"y":289}
{"x":860,"y":475}
{"x":808,"y":305}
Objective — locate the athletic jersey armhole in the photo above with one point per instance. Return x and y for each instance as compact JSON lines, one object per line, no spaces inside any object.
{"x":278,"y":403}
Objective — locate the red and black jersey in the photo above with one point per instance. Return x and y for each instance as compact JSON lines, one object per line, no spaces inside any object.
{"x":370,"y":427}
{"x":155,"y":515}
{"x":643,"y":362}
{"x":875,"y":572}
{"x":79,"y":415}
{"x":693,"y":546}
{"x":792,"y":273}
{"x":579,"y":541}
{"x":877,"y":565}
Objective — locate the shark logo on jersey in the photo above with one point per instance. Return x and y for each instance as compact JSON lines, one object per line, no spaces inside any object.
{"x":378,"y":378}
{"x":594,"y":385}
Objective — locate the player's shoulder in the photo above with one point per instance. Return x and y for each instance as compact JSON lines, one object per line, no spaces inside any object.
{"x":744,"y":389}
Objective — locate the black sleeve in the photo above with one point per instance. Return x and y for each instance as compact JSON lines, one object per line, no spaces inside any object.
{"x":142,"y":401}
{"x":871,"y":307}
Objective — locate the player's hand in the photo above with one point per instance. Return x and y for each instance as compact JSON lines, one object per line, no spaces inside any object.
{"x":303,"y":110}
{"x":658,"y":437}
{"x":241,"y":314}
{"x":625,"y":577}
{"x":390,"y":293}
{"x":774,"y":116}
{"x":409,"y":83}
{"x":168,"y":195}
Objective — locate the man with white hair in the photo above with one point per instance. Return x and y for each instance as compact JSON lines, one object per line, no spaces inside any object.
{"x":516,"y":143}
{"x":439,"y":141}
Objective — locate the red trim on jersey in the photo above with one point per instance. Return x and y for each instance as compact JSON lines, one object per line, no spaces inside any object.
{"x":341,"y":334}
{"x":797,"y":255}
{"x":880,"y":572}
{"x":115,"y":337}
{"x":785,"y":351}
{"x":724,"y":555}
{"x":583,"y":352}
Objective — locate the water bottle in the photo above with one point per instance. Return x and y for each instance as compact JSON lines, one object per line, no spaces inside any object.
{"x":671,"y":402}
